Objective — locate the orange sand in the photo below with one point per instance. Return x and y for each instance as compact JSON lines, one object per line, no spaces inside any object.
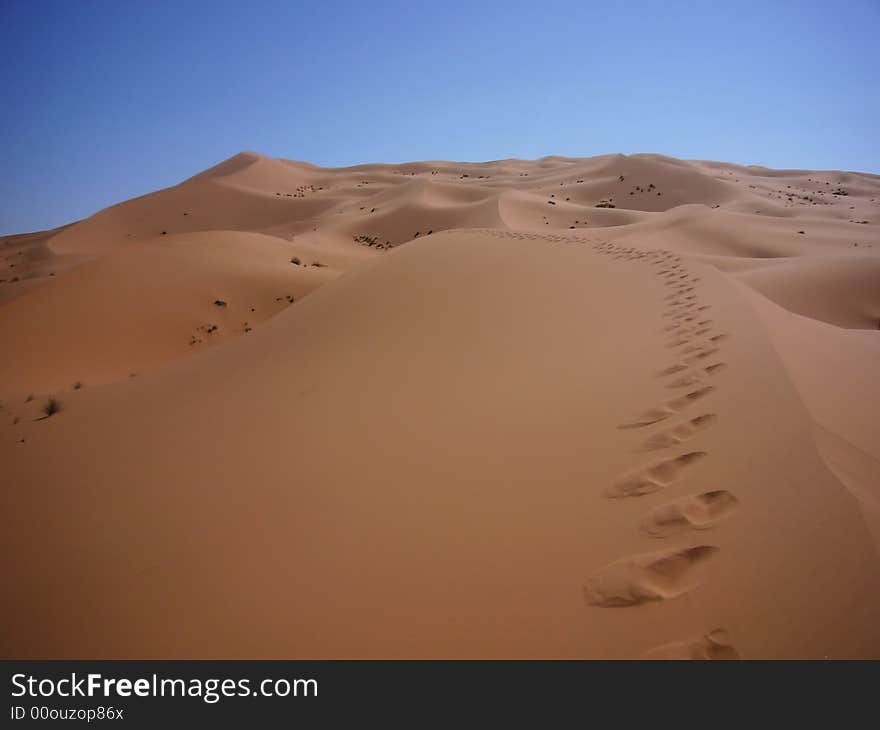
{"x":505,"y":423}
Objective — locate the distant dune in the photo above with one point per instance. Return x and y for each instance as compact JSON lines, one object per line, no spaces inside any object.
{"x":615,"y":407}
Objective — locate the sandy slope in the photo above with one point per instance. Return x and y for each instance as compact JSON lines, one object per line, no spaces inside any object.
{"x":540,"y":428}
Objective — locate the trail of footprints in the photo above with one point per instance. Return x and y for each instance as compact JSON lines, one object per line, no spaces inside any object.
{"x":669,"y":426}
{"x":666,"y":574}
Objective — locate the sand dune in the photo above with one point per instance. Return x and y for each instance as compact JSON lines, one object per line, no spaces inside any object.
{"x":149,"y":303}
{"x":840,"y":290}
{"x":614,"y":407}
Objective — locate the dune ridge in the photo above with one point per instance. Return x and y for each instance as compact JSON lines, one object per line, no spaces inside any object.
{"x":613,"y":407}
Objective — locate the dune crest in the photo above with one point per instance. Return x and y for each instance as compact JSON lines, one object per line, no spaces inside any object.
{"x":613,"y":407}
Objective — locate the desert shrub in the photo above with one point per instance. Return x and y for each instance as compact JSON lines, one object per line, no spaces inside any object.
{"x":51,"y":407}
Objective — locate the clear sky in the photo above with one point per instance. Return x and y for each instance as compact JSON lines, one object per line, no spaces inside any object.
{"x":104,"y":100}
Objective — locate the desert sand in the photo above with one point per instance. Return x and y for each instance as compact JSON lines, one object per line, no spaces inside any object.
{"x":613,"y":407}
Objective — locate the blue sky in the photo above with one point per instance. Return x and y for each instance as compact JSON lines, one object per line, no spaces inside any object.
{"x":105,"y":100}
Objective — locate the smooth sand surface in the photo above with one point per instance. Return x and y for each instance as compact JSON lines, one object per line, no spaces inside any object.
{"x":614,"y":407}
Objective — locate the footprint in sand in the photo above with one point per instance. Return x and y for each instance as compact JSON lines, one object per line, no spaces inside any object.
{"x":702,"y":355}
{"x":679,"y":434}
{"x":677,"y":342}
{"x":717,"y":367}
{"x":648,"y":577}
{"x":668,"y":409}
{"x":715,"y":645}
{"x":695,"y":512}
{"x":672,"y":370}
{"x":654,"y":477}
{"x":694,"y":377}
